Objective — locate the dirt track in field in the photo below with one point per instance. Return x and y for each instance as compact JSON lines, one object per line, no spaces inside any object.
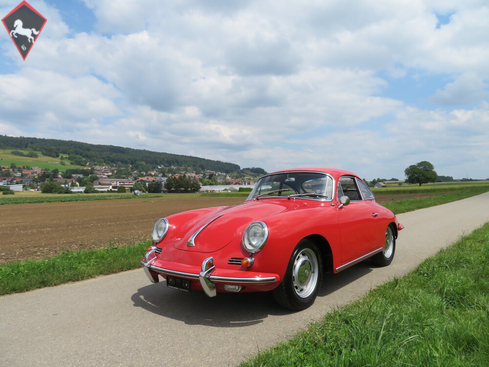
{"x":39,"y":231}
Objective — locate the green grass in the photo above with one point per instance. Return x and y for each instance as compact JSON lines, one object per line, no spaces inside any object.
{"x":438,"y":315}
{"x":44,"y":162}
{"x":243,"y":195}
{"x":19,"y":198}
{"x":433,"y":189}
{"x":21,"y":276}
{"x":38,"y":197}
{"x":407,"y":205}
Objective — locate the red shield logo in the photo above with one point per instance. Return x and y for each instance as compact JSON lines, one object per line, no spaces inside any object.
{"x":24,"y":25}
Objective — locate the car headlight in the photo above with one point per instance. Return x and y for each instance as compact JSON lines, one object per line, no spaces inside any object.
{"x":160,"y":229}
{"x":255,"y":237}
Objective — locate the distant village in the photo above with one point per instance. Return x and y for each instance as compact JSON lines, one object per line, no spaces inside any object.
{"x":104,"y":179}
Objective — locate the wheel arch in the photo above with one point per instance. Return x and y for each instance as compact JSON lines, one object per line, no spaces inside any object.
{"x":394,"y":228}
{"x":326,"y":252}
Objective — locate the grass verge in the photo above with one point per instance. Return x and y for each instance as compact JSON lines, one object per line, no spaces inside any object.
{"x":21,"y":276}
{"x":408,"y":205}
{"x":37,"y":198}
{"x":438,"y":315}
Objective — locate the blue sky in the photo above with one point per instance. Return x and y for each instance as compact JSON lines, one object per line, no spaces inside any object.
{"x":371,"y":87}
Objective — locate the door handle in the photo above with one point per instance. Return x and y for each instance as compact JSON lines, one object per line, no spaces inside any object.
{"x":375,"y":215}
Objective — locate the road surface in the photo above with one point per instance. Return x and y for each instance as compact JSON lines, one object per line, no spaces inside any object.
{"x":123,"y":320}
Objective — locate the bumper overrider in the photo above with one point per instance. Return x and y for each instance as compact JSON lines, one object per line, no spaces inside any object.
{"x":208,"y":275}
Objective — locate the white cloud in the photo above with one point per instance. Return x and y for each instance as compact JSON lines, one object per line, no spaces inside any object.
{"x":44,"y":101}
{"x":466,"y":89}
{"x":261,"y":83}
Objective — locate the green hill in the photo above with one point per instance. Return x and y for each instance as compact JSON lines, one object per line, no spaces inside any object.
{"x":81,"y":154}
{"x":41,"y":161}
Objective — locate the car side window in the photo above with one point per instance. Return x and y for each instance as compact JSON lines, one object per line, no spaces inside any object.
{"x":349,"y":188}
{"x":367,"y":194}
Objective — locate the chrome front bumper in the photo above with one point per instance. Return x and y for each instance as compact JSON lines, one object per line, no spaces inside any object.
{"x":205,"y":276}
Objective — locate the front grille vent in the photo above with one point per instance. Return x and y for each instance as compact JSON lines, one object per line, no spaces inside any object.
{"x":158,"y":250}
{"x":234,"y":261}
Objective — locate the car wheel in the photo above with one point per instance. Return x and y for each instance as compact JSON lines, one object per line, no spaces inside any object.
{"x":302,"y":279}
{"x":385,"y":257}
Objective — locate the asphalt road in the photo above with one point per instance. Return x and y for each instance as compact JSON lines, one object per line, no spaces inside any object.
{"x":123,"y":320}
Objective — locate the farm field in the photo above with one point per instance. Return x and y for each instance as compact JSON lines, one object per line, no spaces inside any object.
{"x":43,"y":230}
{"x":38,"y":231}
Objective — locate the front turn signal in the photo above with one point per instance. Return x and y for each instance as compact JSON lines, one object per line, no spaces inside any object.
{"x":247,"y":262}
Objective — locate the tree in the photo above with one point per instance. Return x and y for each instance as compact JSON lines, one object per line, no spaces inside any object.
{"x":420,"y":173}
{"x":444,"y":179}
{"x":89,"y":189}
{"x":155,"y":187}
{"x":182,"y":184}
{"x":138,"y":186}
{"x":48,"y":186}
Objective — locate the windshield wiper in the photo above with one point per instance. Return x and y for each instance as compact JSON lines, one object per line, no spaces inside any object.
{"x":307,"y":194}
{"x":270,"y":192}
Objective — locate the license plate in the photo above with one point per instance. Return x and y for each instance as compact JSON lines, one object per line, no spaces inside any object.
{"x":178,"y":283}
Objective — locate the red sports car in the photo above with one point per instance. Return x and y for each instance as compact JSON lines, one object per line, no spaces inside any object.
{"x":294,"y":226}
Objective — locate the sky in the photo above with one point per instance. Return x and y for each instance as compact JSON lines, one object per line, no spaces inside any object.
{"x":367,"y":86}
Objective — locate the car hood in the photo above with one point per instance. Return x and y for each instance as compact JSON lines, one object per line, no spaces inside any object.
{"x":213,"y":230}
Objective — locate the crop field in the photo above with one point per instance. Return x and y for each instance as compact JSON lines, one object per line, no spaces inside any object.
{"x":38,"y":231}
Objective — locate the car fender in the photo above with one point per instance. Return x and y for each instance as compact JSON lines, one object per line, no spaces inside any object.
{"x":286,"y":230}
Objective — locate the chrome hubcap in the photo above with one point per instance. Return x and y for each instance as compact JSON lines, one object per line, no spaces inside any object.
{"x":305,"y":273}
{"x":389,"y":243}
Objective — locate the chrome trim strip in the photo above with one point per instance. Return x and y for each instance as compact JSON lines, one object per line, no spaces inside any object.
{"x":359,"y":259}
{"x":215,"y":278}
{"x":191,"y":241}
{"x":255,"y":280}
{"x":180,"y":274}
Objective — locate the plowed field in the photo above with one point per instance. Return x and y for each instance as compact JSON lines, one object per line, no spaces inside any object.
{"x":38,"y":231}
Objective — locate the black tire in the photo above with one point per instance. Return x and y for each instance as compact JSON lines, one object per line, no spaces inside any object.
{"x":302,"y":279}
{"x":385,"y":257}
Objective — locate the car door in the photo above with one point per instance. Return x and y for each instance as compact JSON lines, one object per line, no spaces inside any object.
{"x":357,"y":221}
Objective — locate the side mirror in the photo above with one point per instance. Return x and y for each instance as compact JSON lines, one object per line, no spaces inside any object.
{"x":344,"y":200}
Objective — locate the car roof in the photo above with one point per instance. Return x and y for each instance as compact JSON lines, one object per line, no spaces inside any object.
{"x":335,"y":172}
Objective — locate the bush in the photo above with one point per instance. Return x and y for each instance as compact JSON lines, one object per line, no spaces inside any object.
{"x":121,"y":190}
{"x":8,"y":192}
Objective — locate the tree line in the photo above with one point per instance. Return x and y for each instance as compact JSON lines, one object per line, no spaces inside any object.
{"x":83,"y":153}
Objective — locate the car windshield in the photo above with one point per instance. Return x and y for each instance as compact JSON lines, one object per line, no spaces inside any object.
{"x":310,"y":185}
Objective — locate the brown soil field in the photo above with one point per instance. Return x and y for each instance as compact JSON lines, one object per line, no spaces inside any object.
{"x":39,"y":231}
